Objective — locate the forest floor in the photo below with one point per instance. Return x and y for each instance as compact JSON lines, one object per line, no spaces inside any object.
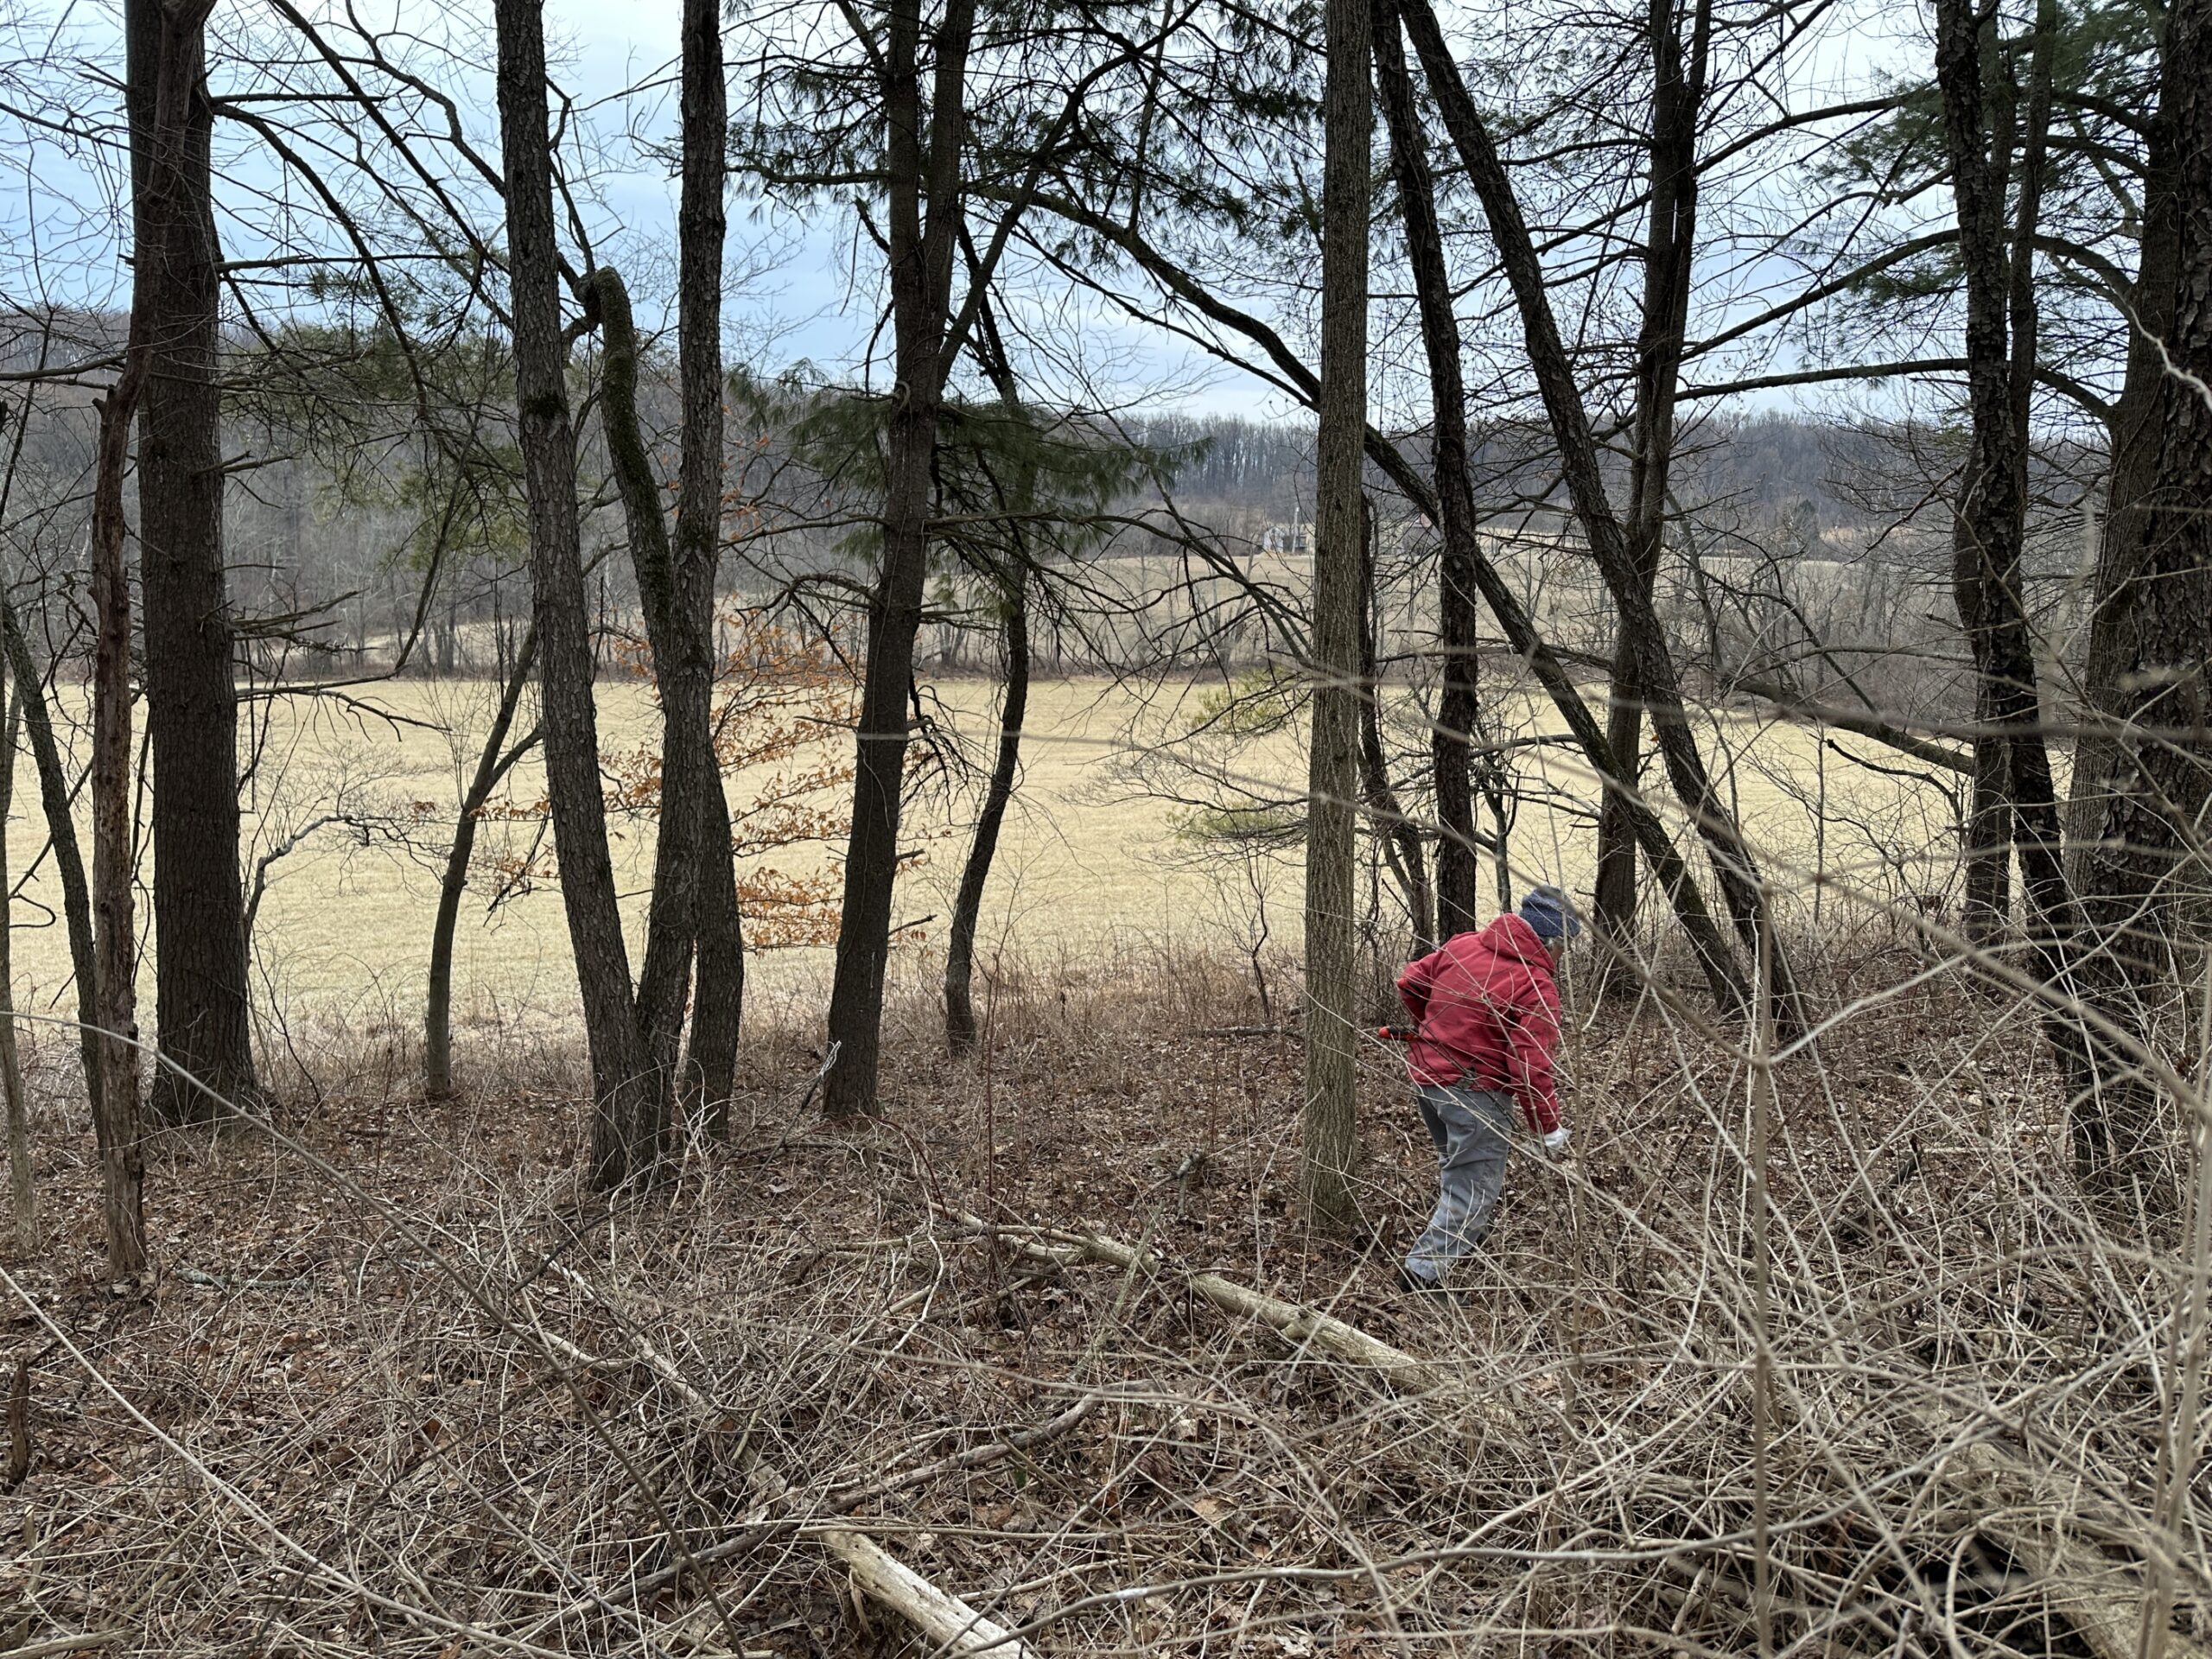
{"x":400,"y":1387}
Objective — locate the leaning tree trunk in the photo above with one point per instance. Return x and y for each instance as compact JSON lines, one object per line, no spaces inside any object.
{"x":492,"y":763}
{"x":921,"y":286}
{"x":968,"y":903}
{"x":1656,"y":680}
{"x":1459,"y":878}
{"x":1670,"y":237}
{"x":687,"y":739}
{"x":22,"y":1194}
{"x":1619,"y":783}
{"x":629,"y":1121}
{"x":2146,"y":885}
{"x":1332,"y":777}
{"x":693,"y":919}
{"x":200,"y":987}
{"x":68,"y":856}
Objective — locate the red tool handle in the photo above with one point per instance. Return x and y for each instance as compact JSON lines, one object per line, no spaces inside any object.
{"x":1395,"y":1033}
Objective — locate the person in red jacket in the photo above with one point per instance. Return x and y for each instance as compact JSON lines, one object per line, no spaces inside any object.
{"x":1486,"y":1013}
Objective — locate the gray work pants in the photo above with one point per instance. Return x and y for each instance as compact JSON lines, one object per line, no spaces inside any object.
{"x":1473,"y":1129}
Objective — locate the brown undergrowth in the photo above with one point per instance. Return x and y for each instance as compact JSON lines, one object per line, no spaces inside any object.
{"x":402,"y":1389}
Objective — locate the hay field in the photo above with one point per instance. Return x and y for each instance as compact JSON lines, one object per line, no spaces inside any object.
{"x":344,"y":923}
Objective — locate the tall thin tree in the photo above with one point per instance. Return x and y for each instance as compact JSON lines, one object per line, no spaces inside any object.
{"x":2148,"y":777}
{"x":493,"y":761}
{"x":1332,"y":1129}
{"x":1678,"y":83}
{"x":114,"y":987}
{"x":200,"y":988}
{"x":628,"y":1119}
{"x":922,"y":178}
{"x":1459,"y":884}
{"x":1990,"y":512}
{"x":1011,"y":579}
{"x":695,"y":959}
{"x":709,"y":1072}
{"x":23,"y":1193}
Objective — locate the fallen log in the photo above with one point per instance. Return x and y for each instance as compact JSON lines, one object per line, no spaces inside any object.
{"x":2102,"y":1601}
{"x":956,"y":1627}
{"x":83,"y":1644}
{"x":1309,"y":1327}
{"x":846,"y":1499}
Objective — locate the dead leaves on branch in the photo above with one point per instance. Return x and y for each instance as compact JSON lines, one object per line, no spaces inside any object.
{"x":785,"y":708}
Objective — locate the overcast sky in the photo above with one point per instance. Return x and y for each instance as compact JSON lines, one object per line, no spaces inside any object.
{"x":789,"y":295}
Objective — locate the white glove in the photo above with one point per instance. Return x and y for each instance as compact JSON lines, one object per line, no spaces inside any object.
{"x":1556,"y":1140}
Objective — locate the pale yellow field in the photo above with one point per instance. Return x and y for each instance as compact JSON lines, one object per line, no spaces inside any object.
{"x":345,"y":926}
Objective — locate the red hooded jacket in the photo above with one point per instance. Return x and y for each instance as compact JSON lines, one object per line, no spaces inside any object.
{"x":1486,"y":1014}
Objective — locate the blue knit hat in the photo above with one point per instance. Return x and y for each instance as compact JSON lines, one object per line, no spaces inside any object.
{"x":1551,"y":913}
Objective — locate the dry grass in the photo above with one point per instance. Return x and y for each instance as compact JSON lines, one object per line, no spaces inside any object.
{"x":428,"y":1401}
{"x":345,"y":928}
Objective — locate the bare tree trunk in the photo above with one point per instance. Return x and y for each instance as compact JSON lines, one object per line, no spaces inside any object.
{"x":22,"y":1195}
{"x":2145,"y":887}
{"x":115,"y":990}
{"x":687,"y":741}
{"x":968,"y":903}
{"x":1988,"y":856}
{"x":709,"y":1075}
{"x":1989,"y":888}
{"x":1670,"y":239}
{"x":921,"y":285}
{"x":1396,"y":833}
{"x":1331,"y":1139}
{"x":1990,"y":518}
{"x":629,"y":1122}
{"x":493,"y":764}
{"x":693,"y":922}
{"x":1458,"y":879}
{"x":1613,"y":896}
{"x":2114,"y":1125}
{"x":68,"y":856}
{"x":200,"y":986}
